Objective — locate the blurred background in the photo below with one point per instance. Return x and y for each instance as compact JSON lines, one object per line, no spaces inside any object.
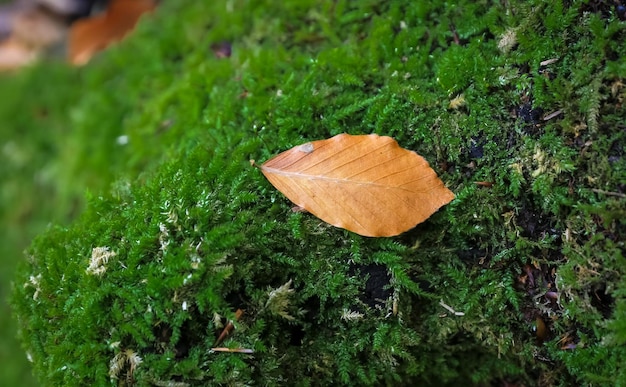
{"x":43,"y":43}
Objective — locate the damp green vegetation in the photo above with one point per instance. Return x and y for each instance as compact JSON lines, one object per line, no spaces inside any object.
{"x":154,"y":229}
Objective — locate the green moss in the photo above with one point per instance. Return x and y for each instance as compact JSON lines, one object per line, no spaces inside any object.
{"x":189,"y":232}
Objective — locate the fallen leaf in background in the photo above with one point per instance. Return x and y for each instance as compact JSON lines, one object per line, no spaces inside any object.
{"x":8,"y":12}
{"x":367,"y":184}
{"x":39,"y":28}
{"x":27,"y":29}
{"x":15,"y":54}
{"x":88,"y":36}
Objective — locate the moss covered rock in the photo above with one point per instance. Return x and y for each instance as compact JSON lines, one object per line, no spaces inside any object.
{"x":518,"y":280}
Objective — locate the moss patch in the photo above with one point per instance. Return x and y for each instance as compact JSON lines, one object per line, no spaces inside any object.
{"x":519,"y":280}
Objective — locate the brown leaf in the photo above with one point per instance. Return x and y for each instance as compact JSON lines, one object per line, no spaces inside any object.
{"x":88,"y":36}
{"x":367,"y":184}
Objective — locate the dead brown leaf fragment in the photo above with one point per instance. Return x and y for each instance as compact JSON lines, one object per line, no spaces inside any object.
{"x":88,"y":36}
{"x":367,"y":184}
{"x":228,"y":328}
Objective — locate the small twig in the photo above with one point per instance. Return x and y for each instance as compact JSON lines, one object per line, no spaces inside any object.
{"x":450,"y":309}
{"x":455,"y":35}
{"x":228,"y":328}
{"x":548,"y":61}
{"x":552,"y":115}
{"x":486,"y":184}
{"x":609,"y":193}
{"x":233,"y":350}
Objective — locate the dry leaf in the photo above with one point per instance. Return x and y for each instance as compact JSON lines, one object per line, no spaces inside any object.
{"x":366,"y":184}
{"x":88,"y":36}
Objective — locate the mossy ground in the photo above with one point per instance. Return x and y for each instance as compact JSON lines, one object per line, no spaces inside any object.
{"x":533,"y":257}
